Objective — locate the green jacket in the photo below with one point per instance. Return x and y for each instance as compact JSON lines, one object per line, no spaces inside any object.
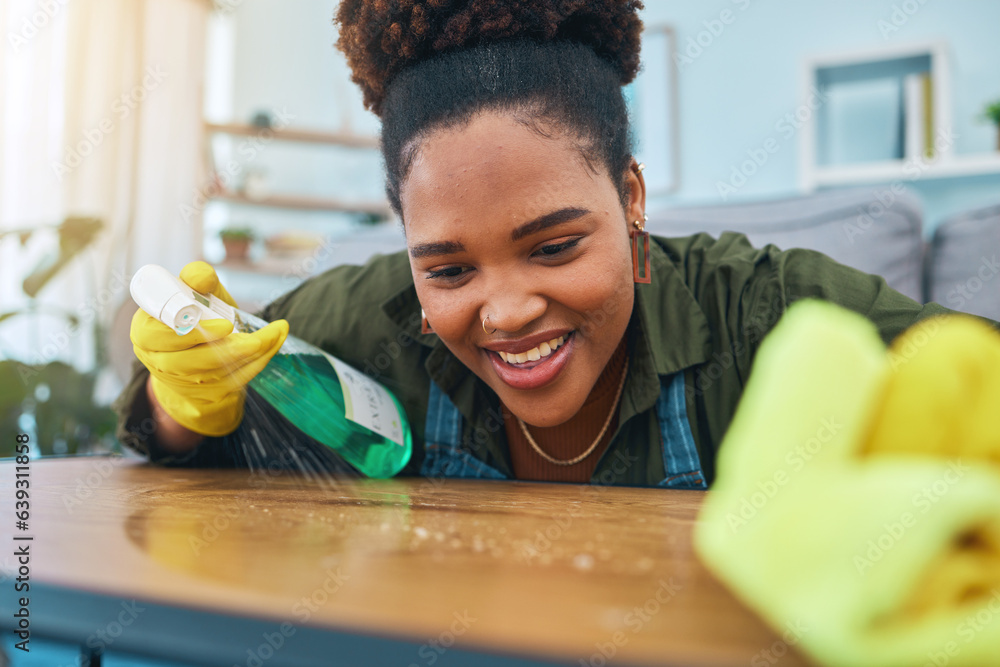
{"x":706,"y":311}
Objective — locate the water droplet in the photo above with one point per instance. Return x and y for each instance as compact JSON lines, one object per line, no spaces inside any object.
{"x":583,"y":562}
{"x":421,"y":533}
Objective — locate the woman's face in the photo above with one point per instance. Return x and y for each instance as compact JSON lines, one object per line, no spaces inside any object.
{"x":505,"y":223}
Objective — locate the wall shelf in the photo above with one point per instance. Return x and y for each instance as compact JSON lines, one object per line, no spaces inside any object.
{"x":821,"y":74}
{"x":303,"y":203}
{"x":308,"y":136}
{"x":297,"y":202}
{"x":956,"y":166}
{"x":275,"y":268}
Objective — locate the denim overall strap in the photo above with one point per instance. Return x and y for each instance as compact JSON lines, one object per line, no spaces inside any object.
{"x":443,"y":453}
{"x":680,"y":455}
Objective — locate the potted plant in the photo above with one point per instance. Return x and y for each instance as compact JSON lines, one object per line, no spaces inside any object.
{"x":237,"y":242}
{"x":49,"y":398}
{"x":992,"y":114}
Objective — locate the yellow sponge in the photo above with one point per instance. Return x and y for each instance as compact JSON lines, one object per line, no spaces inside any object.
{"x":857,"y":493}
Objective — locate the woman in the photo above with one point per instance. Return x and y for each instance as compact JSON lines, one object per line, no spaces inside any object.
{"x":567,"y":345}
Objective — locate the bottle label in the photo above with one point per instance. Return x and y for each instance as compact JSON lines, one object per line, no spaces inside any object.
{"x":366,"y":402}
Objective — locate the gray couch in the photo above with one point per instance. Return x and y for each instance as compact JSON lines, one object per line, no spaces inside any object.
{"x":876,"y":231}
{"x":963,"y":262}
{"x":848,"y":225}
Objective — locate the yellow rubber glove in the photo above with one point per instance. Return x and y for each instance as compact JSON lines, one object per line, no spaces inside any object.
{"x":200,"y":378}
{"x":877,"y":555}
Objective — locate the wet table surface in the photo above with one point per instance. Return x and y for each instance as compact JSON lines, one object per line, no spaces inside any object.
{"x":438,"y":571}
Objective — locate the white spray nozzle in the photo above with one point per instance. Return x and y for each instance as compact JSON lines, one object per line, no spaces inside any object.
{"x":171,"y":301}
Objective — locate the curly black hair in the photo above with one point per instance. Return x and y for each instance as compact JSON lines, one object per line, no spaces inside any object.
{"x":428,"y":65}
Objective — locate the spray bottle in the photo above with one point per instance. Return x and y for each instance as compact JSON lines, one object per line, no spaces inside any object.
{"x":322,"y":396}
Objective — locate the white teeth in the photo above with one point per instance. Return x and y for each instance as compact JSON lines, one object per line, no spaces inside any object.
{"x":535,"y":353}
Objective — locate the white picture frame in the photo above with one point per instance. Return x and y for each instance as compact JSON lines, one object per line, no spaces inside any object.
{"x":653,"y":107}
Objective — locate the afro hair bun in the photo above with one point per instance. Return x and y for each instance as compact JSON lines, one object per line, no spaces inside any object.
{"x":382,"y":37}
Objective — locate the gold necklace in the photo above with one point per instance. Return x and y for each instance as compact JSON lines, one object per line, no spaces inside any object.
{"x":593,"y":446}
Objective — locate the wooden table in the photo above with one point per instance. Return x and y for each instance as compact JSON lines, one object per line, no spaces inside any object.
{"x":221,"y":567}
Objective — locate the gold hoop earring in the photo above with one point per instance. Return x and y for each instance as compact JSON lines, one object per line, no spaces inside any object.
{"x":485,"y":320}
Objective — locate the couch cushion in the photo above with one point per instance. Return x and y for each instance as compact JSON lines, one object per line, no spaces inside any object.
{"x":965,"y":261}
{"x":855,"y":227}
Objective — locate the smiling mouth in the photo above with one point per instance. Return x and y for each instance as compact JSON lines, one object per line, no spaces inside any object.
{"x":534,"y":354}
{"x":541,"y":365}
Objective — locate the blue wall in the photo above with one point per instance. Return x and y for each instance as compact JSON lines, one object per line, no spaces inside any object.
{"x":736,"y":89}
{"x":731,"y":95}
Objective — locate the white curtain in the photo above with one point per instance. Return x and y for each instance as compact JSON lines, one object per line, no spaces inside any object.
{"x":100,"y":115}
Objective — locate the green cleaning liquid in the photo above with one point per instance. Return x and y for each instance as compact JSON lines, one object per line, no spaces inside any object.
{"x":322,"y":396}
{"x":335,"y":404}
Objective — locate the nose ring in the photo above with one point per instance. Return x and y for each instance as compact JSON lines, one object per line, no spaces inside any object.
{"x":485,"y":320}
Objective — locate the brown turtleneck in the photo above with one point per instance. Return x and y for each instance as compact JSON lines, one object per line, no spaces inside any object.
{"x":570,"y":439}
